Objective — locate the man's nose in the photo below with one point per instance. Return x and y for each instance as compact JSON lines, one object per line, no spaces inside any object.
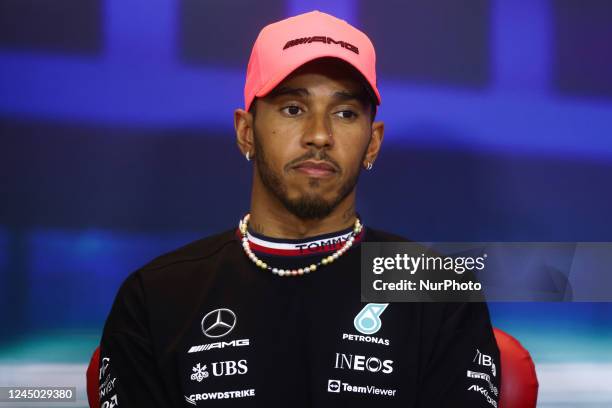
{"x":318,"y":132}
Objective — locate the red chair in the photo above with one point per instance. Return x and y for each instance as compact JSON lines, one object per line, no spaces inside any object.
{"x":93,"y":380}
{"x":519,"y":386}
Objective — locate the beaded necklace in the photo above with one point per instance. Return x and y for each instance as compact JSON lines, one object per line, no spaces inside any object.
{"x":242,"y":226}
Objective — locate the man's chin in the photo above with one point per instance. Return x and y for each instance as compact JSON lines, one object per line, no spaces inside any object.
{"x":313,"y":199}
{"x":310,"y":207}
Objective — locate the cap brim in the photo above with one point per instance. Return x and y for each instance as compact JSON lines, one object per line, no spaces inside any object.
{"x":281,"y":75}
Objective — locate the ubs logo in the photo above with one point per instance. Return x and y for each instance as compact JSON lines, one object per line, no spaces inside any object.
{"x":219,"y":369}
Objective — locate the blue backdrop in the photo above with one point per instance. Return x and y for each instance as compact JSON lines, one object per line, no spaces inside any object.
{"x":117,"y":145}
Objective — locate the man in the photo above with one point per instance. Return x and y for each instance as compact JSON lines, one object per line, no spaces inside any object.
{"x":269,"y":313}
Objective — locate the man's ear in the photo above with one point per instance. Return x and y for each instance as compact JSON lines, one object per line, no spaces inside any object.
{"x":243,"y":124}
{"x":376,"y":139}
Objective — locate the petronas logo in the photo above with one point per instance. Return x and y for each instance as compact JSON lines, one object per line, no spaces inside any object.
{"x":368,"y":320}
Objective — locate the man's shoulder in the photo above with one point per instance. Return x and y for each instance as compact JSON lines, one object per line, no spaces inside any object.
{"x":176,"y":271}
{"x":194,"y":251}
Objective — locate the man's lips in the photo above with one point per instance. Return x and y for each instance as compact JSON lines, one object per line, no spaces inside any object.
{"x":314,"y":168}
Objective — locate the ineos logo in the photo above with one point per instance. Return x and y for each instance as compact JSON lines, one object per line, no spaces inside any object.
{"x":218,"y":323}
{"x":363,"y":363}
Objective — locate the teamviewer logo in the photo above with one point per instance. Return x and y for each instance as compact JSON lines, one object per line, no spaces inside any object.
{"x":333,"y":386}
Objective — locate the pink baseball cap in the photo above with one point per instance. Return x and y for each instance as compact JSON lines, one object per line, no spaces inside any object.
{"x":284,"y":46}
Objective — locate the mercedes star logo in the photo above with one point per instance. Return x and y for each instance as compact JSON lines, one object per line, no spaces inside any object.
{"x":218,"y":323}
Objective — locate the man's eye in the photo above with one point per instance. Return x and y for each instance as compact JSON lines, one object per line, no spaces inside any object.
{"x":292,"y":110}
{"x":346,"y":114}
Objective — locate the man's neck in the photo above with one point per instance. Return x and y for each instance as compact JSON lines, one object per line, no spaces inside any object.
{"x":276,"y":221}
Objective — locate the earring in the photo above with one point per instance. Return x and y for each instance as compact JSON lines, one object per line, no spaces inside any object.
{"x":248,"y":156}
{"x":369,"y":166}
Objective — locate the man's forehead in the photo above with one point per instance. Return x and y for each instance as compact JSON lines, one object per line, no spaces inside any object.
{"x":345,"y":79}
{"x":332,"y":68}
{"x":307,"y":86}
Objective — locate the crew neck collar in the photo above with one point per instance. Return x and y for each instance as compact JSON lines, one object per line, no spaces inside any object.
{"x":315,"y":245}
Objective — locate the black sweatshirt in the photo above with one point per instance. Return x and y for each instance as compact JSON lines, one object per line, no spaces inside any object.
{"x":204,"y":326}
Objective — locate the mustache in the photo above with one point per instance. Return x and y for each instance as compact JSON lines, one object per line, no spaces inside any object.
{"x":319,"y":155}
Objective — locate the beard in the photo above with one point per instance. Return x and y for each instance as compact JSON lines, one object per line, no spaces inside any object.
{"x":307,"y":206}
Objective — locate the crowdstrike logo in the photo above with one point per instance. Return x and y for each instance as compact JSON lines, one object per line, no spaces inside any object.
{"x":323,"y":39}
{"x":218,"y":323}
{"x":193,"y":399}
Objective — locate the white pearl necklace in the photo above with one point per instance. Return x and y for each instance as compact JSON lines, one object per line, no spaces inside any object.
{"x":242,"y":226}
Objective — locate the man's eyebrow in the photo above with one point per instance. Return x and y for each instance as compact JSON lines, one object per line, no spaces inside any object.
{"x":346,"y":95}
{"x":286,"y":90}
{"x":303,"y":92}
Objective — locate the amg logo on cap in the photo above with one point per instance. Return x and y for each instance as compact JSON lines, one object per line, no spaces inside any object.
{"x":323,"y":39}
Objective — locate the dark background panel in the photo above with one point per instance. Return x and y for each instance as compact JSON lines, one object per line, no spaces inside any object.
{"x":443,"y":41}
{"x":223,"y":32}
{"x":86,"y":177}
{"x":67,"y":26}
{"x":583,"y":33}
